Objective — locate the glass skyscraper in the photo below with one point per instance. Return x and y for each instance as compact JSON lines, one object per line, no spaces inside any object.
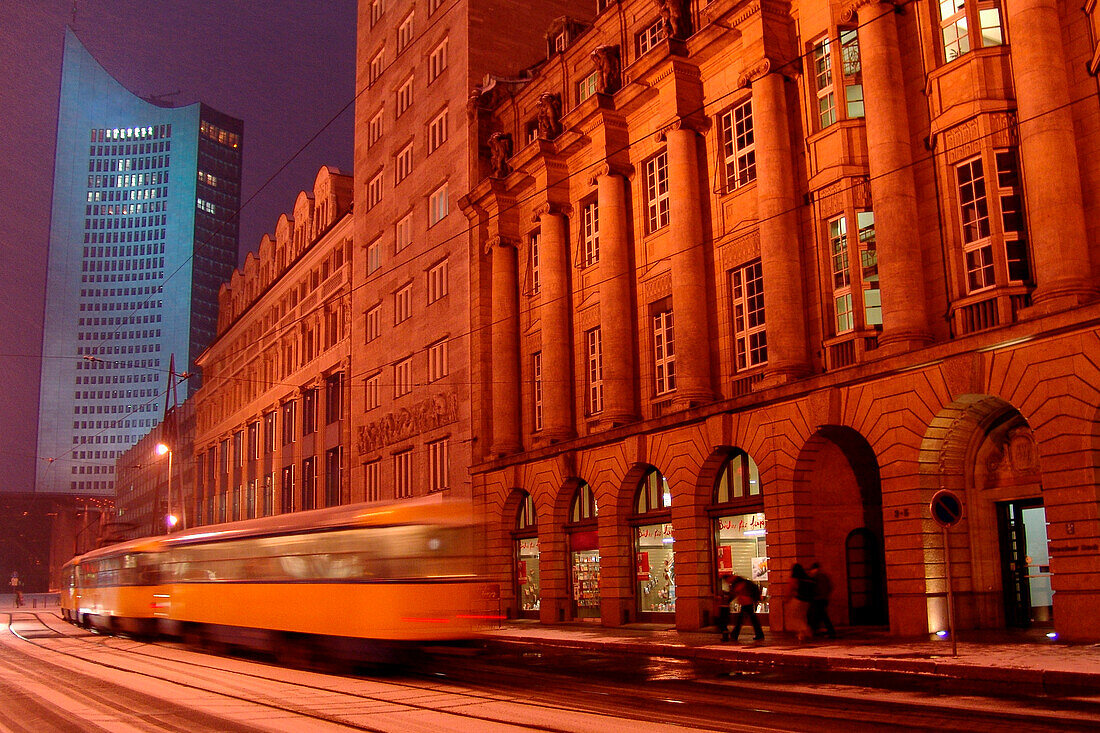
{"x":143,"y":232}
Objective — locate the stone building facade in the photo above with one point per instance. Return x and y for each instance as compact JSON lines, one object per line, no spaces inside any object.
{"x":410,"y":380}
{"x":752,"y":281}
{"x":271,"y":419}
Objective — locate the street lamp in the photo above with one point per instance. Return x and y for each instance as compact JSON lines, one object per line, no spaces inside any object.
{"x":171,"y":519}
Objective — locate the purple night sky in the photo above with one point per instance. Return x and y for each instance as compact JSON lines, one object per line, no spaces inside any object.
{"x":286,"y":67}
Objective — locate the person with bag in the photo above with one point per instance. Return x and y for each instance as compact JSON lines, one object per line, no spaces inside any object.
{"x":800,"y":592}
{"x":747,"y":595}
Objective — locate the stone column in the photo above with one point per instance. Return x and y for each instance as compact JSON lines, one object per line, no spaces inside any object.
{"x":617,"y":317}
{"x":504,"y":360}
{"x":893,"y":189}
{"x":1055,"y":206}
{"x":780,"y":256}
{"x":689,"y":275}
{"x":557,"y":332}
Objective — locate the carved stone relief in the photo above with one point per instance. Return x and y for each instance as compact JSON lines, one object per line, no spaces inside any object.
{"x":430,"y":414}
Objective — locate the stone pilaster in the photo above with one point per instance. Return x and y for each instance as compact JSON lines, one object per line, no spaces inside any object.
{"x":893,"y":188}
{"x":1054,"y":201}
{"x":616,"y":304}
{"x":689,"y":277}
{"x":504,"y":360}
{"x":780,"y":258}
{"x":557,"y":332}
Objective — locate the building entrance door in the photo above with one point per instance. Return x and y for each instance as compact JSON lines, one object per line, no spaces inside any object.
{"x":1025,"y":563}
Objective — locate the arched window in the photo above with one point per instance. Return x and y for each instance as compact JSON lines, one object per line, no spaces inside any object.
{"x":584,"y":553}
{"x":653,"y":494}
{"x":526,"y":540}
{"x":739,"y":526}
{"x":655,"y":570}
{"x":584,"y":504}
{"x":527,"y":519}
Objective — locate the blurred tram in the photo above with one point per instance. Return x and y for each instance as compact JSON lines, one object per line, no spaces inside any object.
{"x":358,"y":581}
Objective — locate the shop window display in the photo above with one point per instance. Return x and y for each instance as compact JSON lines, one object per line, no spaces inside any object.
{"x":740,"y":528}
{"x":655,"y":568}
{"x":525,"y":536}
{"x":584,"y":554}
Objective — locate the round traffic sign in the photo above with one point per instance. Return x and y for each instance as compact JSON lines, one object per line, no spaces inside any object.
{"x":946,"y":507}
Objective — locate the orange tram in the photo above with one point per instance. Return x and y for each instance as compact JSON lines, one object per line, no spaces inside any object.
{"x":363,"y":582}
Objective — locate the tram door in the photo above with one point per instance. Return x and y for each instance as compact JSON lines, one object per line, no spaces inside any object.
{"x":1025,"y":563}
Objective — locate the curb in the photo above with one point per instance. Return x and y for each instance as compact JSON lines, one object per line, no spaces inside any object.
{"x":941,"y":675}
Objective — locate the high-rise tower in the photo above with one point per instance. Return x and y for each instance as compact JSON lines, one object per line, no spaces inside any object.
{"x":143,"y":231}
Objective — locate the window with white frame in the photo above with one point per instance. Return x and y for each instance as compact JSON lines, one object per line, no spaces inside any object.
{"x":649,"y":37}
{"x":437,"y":360}
{"x":586,"y":87}
{"x":664,"y":351}
{"x":536,"y":390}
{"x":404,"y":96}
{"x":437,"y":282}
{"x":402,"y":304}
{"x":402,"y":474}
{"x":403,"y":232}
{"x":377,"y":7}
{"x":374,"y":256}
{"x":405,"y":33}
{"x":749,"y":333}
{"x":533,"y":258}
{"x":403,"y":163}
{"x":402,"y":377}
{"x":373,"y":385}
{"x":657,"y":201}
{"x":830,"y":76}
{"x":437,"y":205}
{"x":868,"y":268}
{"x":438,"y":465}
{"x":823,"y":83}
{"x":591,"y":233}
{"x":374,"y":191}
{"x":377,"y":66}
{"x":843,"y":319}
{"x":968,"y":24}
{"x":374,"y":128}
{"x":594,"y":346}
{"x":991,"y":208}
{"x":437,"y":61}
{"x":372,"y":479}
{"x":374,"y":322}
{"x":437,"y":131}
{"x":738,"y":145}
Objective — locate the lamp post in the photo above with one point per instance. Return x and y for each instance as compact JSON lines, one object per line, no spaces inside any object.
{"x":170,"y":520}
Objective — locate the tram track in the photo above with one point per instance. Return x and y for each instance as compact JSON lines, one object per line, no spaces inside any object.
{"x":685,"y":698}
{"x":454,"y":698}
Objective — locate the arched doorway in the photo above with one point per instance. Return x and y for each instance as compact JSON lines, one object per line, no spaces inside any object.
{"x":525,"y":541}
{"x":655,"y":569}
{"x":584,"y":553}
{"x":739,"y":527}
{"x":839,"y":482}
{"x":983,"y":448}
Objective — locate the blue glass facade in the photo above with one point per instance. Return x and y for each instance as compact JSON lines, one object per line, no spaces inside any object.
{"x":143,"y":231}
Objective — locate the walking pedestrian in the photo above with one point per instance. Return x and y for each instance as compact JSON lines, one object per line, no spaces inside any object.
{"x":17,"y":589}
{"x":747,"y":595}
{"x":800,"y":592}
{"x":819,"y":606}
